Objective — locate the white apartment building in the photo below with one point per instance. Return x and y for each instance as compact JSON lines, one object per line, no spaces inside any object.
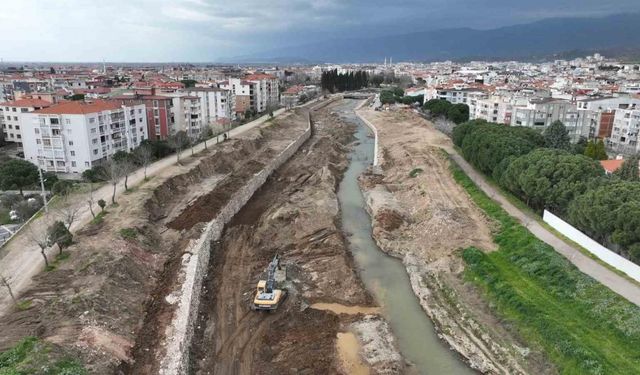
{"x":71,"y":137}
{"x":187,"y":114}
{"x":624,"y":135}
{"x":217,"y":104}
{"x":454,"y":95}
{"x":267,"y":91}
{"x":540,"y":113}
{"x":11,"y":114}
{"x":596,"y":114}
{"x":491,"y":108}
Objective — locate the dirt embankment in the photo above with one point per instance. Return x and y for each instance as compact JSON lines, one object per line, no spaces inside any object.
{"x":293,"y":215}
{"x":106,"y":305}
{"x":422,"y":216}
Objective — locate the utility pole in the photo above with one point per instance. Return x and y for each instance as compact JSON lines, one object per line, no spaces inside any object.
{"x":44,"y":194}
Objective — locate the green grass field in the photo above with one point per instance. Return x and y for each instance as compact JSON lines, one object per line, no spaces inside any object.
{"x":583,"y":326}
{"x":32,"y":356}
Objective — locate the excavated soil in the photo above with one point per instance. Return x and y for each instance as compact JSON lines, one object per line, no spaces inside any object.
{"x":293,"y":215}
{"x":421,"y":215}
{"x":105,"y":304}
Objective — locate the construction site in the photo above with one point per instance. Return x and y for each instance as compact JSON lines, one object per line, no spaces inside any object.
{"x":282,"y":251}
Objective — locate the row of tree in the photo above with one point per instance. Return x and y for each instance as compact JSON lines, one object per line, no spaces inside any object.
{"x":547,"y":172}
{"x":458,"y":113}
{"x":332,"y":81}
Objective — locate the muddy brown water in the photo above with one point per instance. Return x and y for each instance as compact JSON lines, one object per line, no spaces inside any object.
{"x":385,"y":276}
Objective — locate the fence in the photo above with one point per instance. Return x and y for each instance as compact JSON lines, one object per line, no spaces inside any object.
{"x":606,"y":255}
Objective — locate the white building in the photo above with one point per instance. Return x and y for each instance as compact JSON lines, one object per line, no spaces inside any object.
{"x":624,"y":135}
{"x":11,"y":114}
{"x":540,"y":113}
{"x":72,"y":137}
{"x":217,"y":104}
{"x":267,"y":91}
{"x":491,"y":108}
{"x":187,"y":114}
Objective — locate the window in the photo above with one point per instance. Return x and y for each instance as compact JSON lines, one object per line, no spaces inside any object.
{"x":93,"y":130}
{"x":73,"y":164}
{"x":94,"y":141}
{"x":10,"y":126}
{"x":60,"y":163}
{"x":70,"y":143}
{"x":46,"y":142}
{"x":92,"y":120}
{"x":38,"y":141}
{"x":140,"y":119}
{"x":73,"y":153}
{"x":155,"y":112}
{"x":15,"y":118}
{"x":139,"y":111}
{"x":18,"y":136}
{"x":86,"y":163}
{"x":17,"y":127}
{"x":13,"y":109}
{"x":37,"y":130}
{"x":67,"y":121}
{"x":24,"y":110}
{"x":95,"y":152}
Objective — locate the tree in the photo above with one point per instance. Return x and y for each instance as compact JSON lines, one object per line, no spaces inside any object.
{"x":90,"y":199}
{"x":77,"y":97}
{"x":5,"y":282}
{"x":556,"y":136}
{"x":112,"y":172}
{"x":596,"y":150}
{"x":58,"y":234}
{"x":125,"y":163}
{"x":387,"y":97}
{"x":18,"y":174}
{"x":62,"y":187}
{"x":610,"y":212}
{"x":38,"y":234}
{"x":207,"y":133}
{"x":629,"y":170}
{"x":580,"y":146}
{"x":102,"y":204}
{"x":458,"y":113}
{"x":179,"y":141}
{"x":550,"y":178}
{"x":68,"y":210}
{"x":189,"y":82}
{"x":143,"y":155}
{"x":94,"y":174}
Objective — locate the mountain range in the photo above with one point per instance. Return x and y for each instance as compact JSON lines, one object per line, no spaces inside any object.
{"x":533,"y":41}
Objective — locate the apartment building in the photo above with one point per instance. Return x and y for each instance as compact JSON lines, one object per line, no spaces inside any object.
{"x":217,"y":104}
{"x":187,"y":114}
{"x":71,"y":137}
{"x":11,"y":115}
{"x":244,"y":94}
{"x":159,"y":111}
{"x":491,"y":108}
{"x":624,"y":136}
{"x":597,"y":114}
{"x":267,"y":91}
{"x":540,"y":113}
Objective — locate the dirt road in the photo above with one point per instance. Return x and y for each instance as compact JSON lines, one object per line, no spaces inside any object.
{"x":421,"y":215}
{"x":20,"y":259}
{"x":294,"y":215}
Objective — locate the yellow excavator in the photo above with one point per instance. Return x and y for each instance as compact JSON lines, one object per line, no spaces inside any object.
{"x":268,"y":296}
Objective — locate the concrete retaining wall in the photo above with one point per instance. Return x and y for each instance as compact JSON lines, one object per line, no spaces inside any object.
{"x":376,"y":151}
{"x":195,"y":262}
{"x":606,"y":255}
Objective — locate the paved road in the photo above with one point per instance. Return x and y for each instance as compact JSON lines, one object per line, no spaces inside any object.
{"x":615,"y":282}
{"x":20,"y":259}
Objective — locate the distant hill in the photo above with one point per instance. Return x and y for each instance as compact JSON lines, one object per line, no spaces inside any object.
{"x":537,"y":40}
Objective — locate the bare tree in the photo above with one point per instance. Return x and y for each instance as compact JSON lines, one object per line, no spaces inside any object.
{"x":178,"y":142}
{"x":38,"y":234}
{"x":125,"y":162}
{"x":91,"y":199}
{"x":144,"y":156}
{"x":68,"y":210}
{"x":206,"y":134}
{"x":113,"y":172}
{"x":5,"y":282}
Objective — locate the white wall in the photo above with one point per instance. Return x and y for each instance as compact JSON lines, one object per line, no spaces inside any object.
{"x":606,"y":255}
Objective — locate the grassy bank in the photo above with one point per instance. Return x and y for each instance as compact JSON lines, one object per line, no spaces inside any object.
{"x":583,"y":326}
{"x":32,"y":356}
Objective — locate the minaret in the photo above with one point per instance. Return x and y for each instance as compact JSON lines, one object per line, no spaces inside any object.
{"x":385,"y":61}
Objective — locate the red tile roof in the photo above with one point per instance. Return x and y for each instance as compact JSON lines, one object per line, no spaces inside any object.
{"x":611,"y":166}
{"x":79,"y":107}
{"x":258,"y":77}
{"x":26,"y":103}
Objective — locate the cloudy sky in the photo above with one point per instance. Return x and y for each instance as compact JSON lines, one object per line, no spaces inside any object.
{"x":212,"y":30}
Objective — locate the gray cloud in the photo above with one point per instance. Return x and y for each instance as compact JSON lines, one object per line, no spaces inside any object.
{"x":207,"y":30}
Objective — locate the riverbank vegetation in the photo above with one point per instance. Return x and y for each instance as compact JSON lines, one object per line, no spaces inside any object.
{"x":545,"y":172}
{"x":32,"y":356}
{"x":584,"y":327}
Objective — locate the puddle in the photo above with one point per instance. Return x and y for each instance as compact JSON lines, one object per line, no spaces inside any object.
{"x":342,"y":309}
{"x":348,"y":348}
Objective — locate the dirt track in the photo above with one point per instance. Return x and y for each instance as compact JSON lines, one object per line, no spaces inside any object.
{"x":294,"y":215}
{"x":424,"y":217}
